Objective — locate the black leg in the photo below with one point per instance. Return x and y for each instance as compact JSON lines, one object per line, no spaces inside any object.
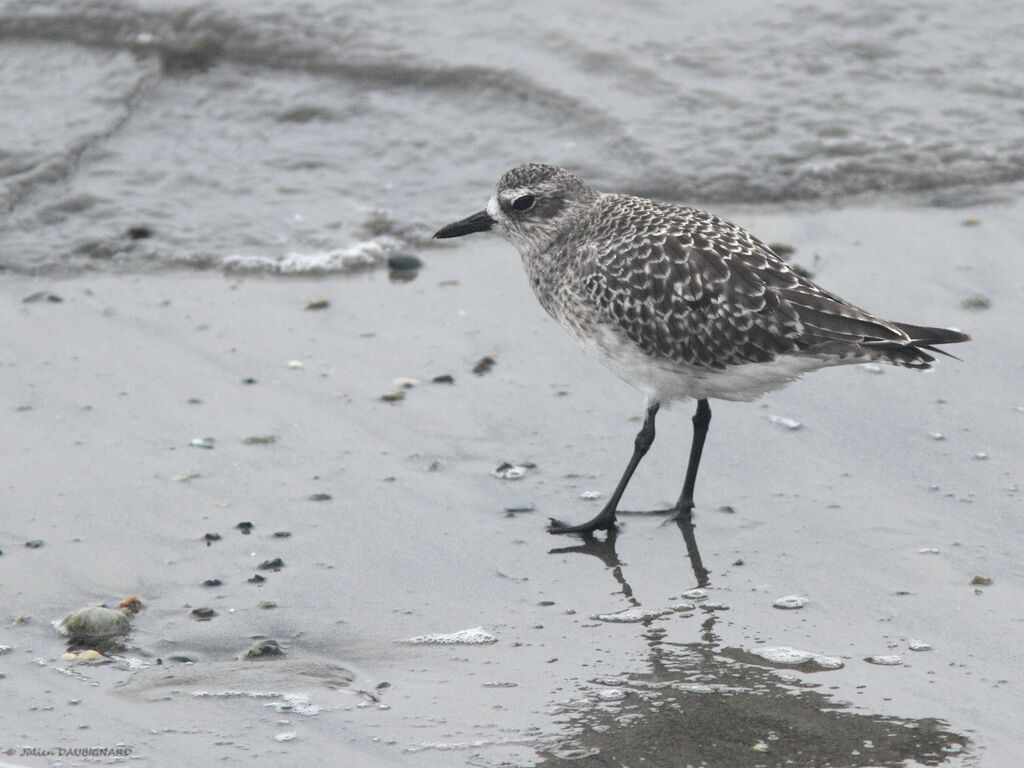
{"x":605,"y":519}
{"x":701,"y":420}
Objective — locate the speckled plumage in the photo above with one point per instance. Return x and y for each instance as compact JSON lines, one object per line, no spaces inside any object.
{"x":677,"y":301}
{"x":684,"y":293}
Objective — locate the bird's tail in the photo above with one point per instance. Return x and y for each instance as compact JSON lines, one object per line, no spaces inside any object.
{"x":912,"y":352}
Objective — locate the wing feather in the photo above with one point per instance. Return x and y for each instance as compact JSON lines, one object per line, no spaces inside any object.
{"x":691,"y":287}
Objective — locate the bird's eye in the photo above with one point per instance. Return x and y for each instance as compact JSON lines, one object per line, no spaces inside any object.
{"x":523,"y":203}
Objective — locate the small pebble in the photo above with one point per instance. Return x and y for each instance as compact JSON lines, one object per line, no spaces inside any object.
{"x":257,"y":579}
{"x":271,"y":565}
{"x":884,"y":661}
{"x":210,"y":538}
{"x":245,"y":527}
{"x":267,"y":604}
{"x":68,"y":656}
{"x":202,"y":442}
{"x":401,"y":262}
{"x":41,"y":296}
{"x":393,"y":396}
{"x":484,"y":365}
{"x":590,"y":495}
{"x":203,"y":614}
{"x":282,"y":534}
{"x":917,"y":645}
{"x":790,"y":602}
{"x":94,"y":622}
{"x":509,"y":471}
{"x":320,"y":497}
{"x":90,"y":655}
{"x":34,"y":543}
{"x":294,"y":364}
{"x":976,"y":302}
{"x":260,"y":440}
{"x":444,"y":378}
{"x":212,"y":583}
{"x":265,"y":649}
{"x":981,"y":581}
{"x":519,"y":508}
{"x":785,"y":421}
{"x":318,"y":304}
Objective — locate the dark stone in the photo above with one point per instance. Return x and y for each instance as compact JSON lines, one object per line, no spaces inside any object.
{"x":401,"y":262}
{"x":265,"y":649}
{"x":484,"y":365}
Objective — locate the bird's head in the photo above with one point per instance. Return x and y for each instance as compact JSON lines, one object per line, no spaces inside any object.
{"x":531,"y":205}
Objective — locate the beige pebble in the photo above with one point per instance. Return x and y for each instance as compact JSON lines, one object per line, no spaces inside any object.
{"x":90,"y":655}
{"x":68,"y":656}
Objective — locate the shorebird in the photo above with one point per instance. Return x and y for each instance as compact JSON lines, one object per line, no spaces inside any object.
{"x":680,"y":303}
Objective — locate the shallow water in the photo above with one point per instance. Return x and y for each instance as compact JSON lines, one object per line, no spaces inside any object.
{"x":255,"y":133}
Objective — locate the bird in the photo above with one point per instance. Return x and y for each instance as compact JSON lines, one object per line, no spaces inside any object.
{"x":680,"y":303}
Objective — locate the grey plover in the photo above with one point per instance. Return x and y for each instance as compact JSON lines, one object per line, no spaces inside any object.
{"x":679,"y":303}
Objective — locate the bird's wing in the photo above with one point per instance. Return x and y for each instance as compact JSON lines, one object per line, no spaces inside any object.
{"x":688,"y":286}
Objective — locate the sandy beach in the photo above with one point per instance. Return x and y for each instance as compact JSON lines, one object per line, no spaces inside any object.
{"x":893,"y":493}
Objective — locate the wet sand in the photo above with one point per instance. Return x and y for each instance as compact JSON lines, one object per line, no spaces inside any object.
{"x":863,"y":510}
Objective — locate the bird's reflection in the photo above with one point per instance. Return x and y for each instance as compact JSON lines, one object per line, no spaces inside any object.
{"x":699,"y":702}
{"x":604,"y":550}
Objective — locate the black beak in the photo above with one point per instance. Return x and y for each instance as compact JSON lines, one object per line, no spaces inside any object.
{"x":478,"y":222}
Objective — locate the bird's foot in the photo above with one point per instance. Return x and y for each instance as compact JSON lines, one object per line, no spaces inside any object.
{"x":605,"y":521}
{"x":678,"y":512}
{"x":669,"y":511}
